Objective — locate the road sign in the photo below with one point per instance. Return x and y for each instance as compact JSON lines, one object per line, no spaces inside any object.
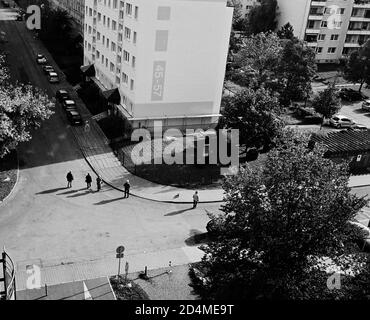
{"x":120,"y":249}
{"x":119,"y":255}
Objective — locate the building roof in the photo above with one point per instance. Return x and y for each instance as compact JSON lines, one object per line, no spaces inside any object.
{"x":349,"y":142}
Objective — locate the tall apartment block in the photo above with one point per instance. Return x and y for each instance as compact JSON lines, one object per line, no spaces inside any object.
{"x":165,"y":58}
{"x":333,"y":28}
{"x":76,"y":9}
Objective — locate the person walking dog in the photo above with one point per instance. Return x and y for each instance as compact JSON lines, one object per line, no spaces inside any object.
{"x":69,"y":179}
{"x":195,"y":199}
{"x":98,"y":183}
{"x":127,"y":188}
{"x":88,"y":181}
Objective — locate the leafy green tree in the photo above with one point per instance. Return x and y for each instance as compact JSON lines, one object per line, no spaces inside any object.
{"x":286,"y":32}
{"x":327,"y":102}
{"x":280,"y":223}
{"x":255,"y":113}
{"x":296,"y":69}
{"x":261,"y":53}
{"x":22,"y":107}
{"x":262,"y":18}
{"x":357,"y":66}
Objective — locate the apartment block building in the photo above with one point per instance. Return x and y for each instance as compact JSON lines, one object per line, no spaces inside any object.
{"x":76,"y":9}
{"x":165,"y":58}
{"x":333,"y":28}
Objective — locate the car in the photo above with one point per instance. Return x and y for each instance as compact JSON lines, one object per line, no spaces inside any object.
{"x":348,"y":94}
{"x":69,"y":105}
{"x":340,"y":121}
{"x":366,"y":105}
{"x":40,"y":58}
{"x":19,"y":17}
{"x":74,"y":117}
{"x":53,"y":77}
{"x":5,"y":4}
{"x":363,"y":239}
{"x":48,"y":69}
{"x":62,"y":95}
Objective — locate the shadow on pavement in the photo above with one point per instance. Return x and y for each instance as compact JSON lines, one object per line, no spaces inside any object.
{"x":197,"y":237}
{"x":174,"y":213}
{"x":81,"y":194}
{"x":108,"y":201}
{"x":51,"y":191}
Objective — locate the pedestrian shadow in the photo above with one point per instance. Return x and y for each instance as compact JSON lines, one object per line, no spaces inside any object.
{"x":174,"y":213}
{"x":68,"y":192}
{"x":81,"y":194}
{"x":51,"y":190}
{"x":108,"y":201}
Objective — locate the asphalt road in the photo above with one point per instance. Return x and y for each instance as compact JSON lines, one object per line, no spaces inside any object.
{"x":42,"y":221}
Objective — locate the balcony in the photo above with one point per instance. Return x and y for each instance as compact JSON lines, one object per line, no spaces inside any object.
{"x":318,"y":3}
{"x":361,"y":4}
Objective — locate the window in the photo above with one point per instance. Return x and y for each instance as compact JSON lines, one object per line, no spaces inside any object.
{"x":310,"y":24}
{"x":124,"y":78}
{"x":334,"y":37}
{"x":128,"y":9}
{"x":133,"y":61}
{"x":113,"y":46}
{"x":111,"y":67}
{"x":324,"y":24}
{"x":340,"y":11}
{"x":98,"y":36}
{"x":318,"y":50}
{"x":114,"y":25}
{"x":127,"y":33}
{"x":135,"y":35}
{"x":321,"y":37}
{"x":126,"y":56}
{"x":331,"y":50}
{"x":136,"y":12}
{"x":132,"y":84}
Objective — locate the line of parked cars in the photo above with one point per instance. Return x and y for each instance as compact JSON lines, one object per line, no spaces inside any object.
{"x":52,"y":75}
{"x":62,"y":95}
{"x":69,"y":106}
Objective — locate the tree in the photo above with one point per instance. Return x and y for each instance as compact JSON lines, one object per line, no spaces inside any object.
{"x":261,"y":53}
{"x":296,"y":70}
{"x":286,"y":32}
{"x":255,"y":113}
{"x":57,"y":25}
{"x":327,"y":102}
{"x":357,"y":66}
{"x":262,"y":18}
{"x":279,"y":222}
{"x":237,"y":15}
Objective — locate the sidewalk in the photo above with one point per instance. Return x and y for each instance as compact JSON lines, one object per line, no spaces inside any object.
{"x":359,"y":181}
{"x":96,"y":150}
{"x":57,"y":272}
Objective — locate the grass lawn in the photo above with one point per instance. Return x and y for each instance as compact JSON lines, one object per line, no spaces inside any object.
{"x":8,"y":174}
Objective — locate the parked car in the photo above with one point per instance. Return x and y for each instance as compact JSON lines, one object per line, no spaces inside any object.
{"x":69,"y":105}
{"x":40,"y":58}
{"x":348,"y":94}
{"x":357,"y":127}
{"x":53,"y":77}
{"x":48,"y":69}
{"x":5,"y":4}
{"x":366,"y":105}
{"x":19,"y":17}
{"x":339,"y":121}
{"x":62,"y":95}
{"x":363,"y":240}
{"x":74,"y":117}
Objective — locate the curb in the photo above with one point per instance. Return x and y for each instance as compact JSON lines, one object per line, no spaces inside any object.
{"x":135,"y":195}
{"x":15,"y":184}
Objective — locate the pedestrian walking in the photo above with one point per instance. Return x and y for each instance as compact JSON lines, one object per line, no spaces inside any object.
{"x":88,"y":181}
{"x":98,"y":183}
{"x":87,"y":126}
{"x":69,"y":179}
{"x":127,"y":188}
{"x":195,"y":199}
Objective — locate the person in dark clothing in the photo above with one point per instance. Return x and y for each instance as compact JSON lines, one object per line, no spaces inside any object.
{"x":98,"y":183}
{"x":195,"y":199}
{"x":69,"y":179}
{"x":127,"y":189}
{"x":88,"y":181}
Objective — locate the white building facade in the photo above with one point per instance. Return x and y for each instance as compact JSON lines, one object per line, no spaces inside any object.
{"x":167,"y":58}
{"x":333,"y":28}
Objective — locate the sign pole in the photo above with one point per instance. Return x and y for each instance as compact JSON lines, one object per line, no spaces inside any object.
{"x":119,"y":256}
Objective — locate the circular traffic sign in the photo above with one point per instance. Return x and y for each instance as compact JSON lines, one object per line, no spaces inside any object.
{"x":120,"y":249}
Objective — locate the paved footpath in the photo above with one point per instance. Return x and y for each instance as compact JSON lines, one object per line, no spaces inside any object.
{"x":52,"y":274}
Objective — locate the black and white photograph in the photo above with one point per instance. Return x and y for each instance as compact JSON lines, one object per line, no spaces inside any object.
{"x":183,"y":157}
